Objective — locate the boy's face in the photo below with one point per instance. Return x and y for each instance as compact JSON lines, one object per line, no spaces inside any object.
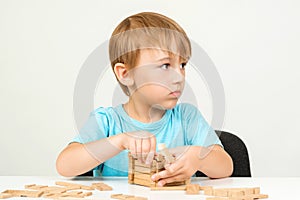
{"x":159,"y":78}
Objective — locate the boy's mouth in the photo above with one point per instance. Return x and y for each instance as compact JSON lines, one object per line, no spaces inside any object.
{"x":176,"y":93}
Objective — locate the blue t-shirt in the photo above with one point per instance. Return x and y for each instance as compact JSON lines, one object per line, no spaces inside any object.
{"x":183,"y":125}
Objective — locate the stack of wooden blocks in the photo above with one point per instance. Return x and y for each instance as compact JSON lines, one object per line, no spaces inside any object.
{"x":140,"y":173}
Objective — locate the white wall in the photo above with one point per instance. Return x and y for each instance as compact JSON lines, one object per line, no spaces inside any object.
{"x":254,"y":44}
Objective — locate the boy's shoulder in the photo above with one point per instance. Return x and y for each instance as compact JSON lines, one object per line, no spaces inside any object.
{"x":106,"y":111}
{"x":186,"y":107}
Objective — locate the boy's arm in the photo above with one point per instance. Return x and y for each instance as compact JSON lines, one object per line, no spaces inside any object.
{"x":78,"y":158}
{"x":212,"y":161}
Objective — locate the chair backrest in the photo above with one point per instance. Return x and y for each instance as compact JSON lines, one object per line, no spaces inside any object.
{"x":237,"y":149}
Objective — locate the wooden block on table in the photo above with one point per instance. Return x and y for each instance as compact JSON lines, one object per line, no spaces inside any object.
{"x":235,"y":193}
{"x":136,"y":198}
{"x":143,"y":182}
{"x":35,"y":187}
{"x":52,"y":195}
{"x":5,"y":195}
{"x":23,"y":193}
{"x":121,"y":196}
{"x":68,"y":184}
{"x":86,"y":194}
{"x":256,"y":190}
{"x":220,"y":192}
{"x":183,"y":187}
{"x":101,"y":186}
{"x":175,"y":183}
{"x":192,"y":189}
{"x":208,"y":190}
{"x":53,"y":189}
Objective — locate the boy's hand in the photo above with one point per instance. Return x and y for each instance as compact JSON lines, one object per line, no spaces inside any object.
{"x":141,"y":144}
{"x":186,"y":164}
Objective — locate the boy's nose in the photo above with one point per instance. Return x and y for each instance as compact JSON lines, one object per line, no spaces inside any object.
{"x":178,"y":75}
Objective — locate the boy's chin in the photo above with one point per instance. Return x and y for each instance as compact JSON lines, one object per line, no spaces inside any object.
{"x":170,"y":105}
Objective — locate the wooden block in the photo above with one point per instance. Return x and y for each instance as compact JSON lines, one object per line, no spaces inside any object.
{"x":53,"y":189}
{"x":115,"y":196}
{"x":183,"y":187}
{"x":256,"y":190}
{"x":192,"y":189}
{"x":208,"y":191}
{"x":5,"y":196}
{"x":188,"y":182}
{"x":35,"y":187}
{"x":175,"y":183}
{"x":131,"y":162}
{"x":235,"y":193}
{"x":220,"y":192}
{"x":136,"y":198}
{"x":86,"y":194}
{"x":142,"y":164}
{"x":143,"y":170}
{"x":160,"y":165}
{"x":68,"y":184}
{"x":74,"y":187}
{"x":121,"y":196}
{"x":167,"y":155}
{"x":206,"y":188}
{"x":143,"y":182}
{"x":73,"y":195}
{"x":143,"y":176}
{"x":101,"y":186}
{"x":159,"y":157}
{"x":23,"y":193}
{"x":130,"y":177}
{"x":52,"y":195}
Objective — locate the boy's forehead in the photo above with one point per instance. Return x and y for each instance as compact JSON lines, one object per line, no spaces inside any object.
{"x":157,"y":55}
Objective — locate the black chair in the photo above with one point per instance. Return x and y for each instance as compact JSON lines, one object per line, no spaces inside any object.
{"x":237,"y":149}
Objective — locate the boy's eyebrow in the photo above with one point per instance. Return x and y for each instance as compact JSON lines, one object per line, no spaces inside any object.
{"x":164,"y":58}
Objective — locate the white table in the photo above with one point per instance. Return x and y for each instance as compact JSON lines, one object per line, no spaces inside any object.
{"x":276,"y":188}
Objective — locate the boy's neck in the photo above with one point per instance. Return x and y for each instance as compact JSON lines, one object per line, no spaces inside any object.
{"x":143,"y":112}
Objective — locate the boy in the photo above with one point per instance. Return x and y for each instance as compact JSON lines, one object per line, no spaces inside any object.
{"x":148,"y":54}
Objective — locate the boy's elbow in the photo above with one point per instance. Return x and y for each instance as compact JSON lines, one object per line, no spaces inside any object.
{"x":60,"y":167}
{"x":229,"y":168}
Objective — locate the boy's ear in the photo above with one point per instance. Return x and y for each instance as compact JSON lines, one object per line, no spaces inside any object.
{"x":123,"y":74}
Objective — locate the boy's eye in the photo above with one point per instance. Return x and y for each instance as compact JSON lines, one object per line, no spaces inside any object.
{"x":182,"y":65}
{"x":165,"y":66}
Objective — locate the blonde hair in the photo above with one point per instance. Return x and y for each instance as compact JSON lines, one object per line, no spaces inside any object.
{"x":143,"y":31}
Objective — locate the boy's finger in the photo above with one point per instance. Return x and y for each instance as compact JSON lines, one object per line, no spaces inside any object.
{"x":153,"y":144}
{"x":139,"y":149}
{"x":172,"y":179}
{"x":174,"y":167}
{"x":145,"y":148}
{"x":160,"y":175}
{"x":132,"y":148}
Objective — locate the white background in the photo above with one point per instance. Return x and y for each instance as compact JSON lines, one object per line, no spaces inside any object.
{"x":254,"y":45}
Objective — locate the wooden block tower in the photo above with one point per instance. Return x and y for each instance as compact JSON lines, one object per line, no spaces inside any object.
{"x":140,"y":173}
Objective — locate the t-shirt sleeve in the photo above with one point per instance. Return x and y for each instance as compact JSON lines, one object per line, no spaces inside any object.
{"x":198,"y":131}
{"x":95,"y":128}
